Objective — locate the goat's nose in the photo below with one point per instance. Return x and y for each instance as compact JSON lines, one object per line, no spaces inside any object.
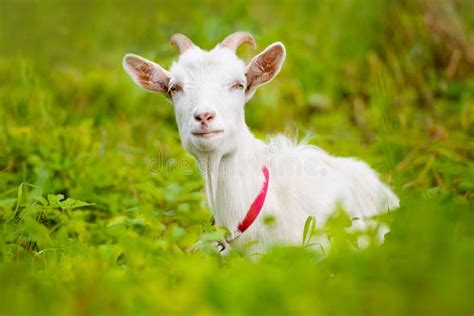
{"x":204,"y":117}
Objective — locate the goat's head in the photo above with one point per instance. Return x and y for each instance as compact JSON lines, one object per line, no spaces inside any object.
{"x":208,"y":88}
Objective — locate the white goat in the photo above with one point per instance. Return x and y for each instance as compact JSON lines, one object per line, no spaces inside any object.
{"x":245,"y":178}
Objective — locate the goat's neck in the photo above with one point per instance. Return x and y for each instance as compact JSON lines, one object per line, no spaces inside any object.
{"x":230,"y":175}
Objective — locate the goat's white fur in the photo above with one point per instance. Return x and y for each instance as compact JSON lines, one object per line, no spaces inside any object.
{"x":304,"y":179}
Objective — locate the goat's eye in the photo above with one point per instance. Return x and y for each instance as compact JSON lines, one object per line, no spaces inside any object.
{"x":238,"y":86}
{"x":174,"y":88}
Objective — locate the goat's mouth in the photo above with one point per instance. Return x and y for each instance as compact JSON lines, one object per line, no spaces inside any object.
{"x":207,"y":134}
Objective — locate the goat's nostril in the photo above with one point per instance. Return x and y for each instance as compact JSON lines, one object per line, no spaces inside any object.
{"x":209,"y":116}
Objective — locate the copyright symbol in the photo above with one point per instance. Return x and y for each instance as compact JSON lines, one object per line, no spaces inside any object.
{"x":273,"y":149}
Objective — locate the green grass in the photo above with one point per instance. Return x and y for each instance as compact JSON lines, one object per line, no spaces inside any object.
{"x":100,"y":205}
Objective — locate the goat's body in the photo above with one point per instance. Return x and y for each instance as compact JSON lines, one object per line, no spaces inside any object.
{"x":304,"y":181}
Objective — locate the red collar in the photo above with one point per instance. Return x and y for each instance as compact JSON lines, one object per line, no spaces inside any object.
{"x":253,"y":211}
{"x":257,"y":204}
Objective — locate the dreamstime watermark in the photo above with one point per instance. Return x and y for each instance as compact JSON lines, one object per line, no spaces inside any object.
{"x":282,"y":163}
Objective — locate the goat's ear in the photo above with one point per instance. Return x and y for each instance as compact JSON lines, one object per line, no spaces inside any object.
{"x":264,"y":67}
{"x":146,"y":74}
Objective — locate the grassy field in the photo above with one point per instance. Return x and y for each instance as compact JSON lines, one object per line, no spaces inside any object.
{"x":98,"y":217}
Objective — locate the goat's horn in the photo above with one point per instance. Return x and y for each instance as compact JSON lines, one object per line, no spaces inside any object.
{"x":182,"y":42}
{"x":233,"y":41}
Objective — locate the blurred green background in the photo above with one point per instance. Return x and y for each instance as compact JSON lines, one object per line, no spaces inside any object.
{"x":98,"y":217}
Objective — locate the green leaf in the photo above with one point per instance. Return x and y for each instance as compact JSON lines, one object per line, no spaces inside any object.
{"x":19,"y":197}
{"x":54,"y":200}
{"x":309,"y":228}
